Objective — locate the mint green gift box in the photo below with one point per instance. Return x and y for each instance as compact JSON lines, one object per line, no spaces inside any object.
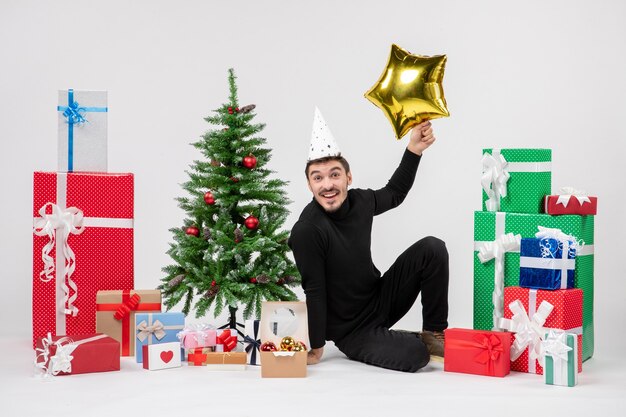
{"x":489,"y":225}
{"x":530,"y":179}
{"x":559,"y":370}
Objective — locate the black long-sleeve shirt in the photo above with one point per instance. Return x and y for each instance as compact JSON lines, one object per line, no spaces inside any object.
{"x":333,"y":254}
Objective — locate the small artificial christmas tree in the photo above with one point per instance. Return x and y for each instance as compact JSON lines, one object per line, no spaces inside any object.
{"x":230,"y":251}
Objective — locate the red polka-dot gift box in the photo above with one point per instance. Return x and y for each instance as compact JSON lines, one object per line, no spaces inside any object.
{"x":82,"y":243}
{"x":566,"y":314}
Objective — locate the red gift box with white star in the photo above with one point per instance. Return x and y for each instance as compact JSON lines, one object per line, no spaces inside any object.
{"x":565,"y":313}
{"x":566,"y":204}
{"x":82,"y":243}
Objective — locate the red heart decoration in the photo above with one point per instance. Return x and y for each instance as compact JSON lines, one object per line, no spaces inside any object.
{"x":167,"y":356}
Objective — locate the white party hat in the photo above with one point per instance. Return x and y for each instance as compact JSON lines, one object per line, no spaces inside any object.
{"x":322,"y":141}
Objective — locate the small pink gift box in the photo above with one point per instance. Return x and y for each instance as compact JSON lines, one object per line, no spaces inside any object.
{"x":197,"y":336}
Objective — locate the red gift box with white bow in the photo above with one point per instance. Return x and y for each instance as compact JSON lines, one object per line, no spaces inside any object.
{"x":82,"y":243}
{"x":77,"y":354}
{"x":570,"y":201}
{"x":530,"y":314}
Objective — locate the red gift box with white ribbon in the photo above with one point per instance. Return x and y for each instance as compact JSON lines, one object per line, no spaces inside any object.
{"x":531,"y":314}
{"x":77,"y":354}
{"x":82,"y":243}
{"x":570,"y":201}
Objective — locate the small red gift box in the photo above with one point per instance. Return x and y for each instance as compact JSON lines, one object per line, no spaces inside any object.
{"x":77,"y":354}
{"x":531,"y":313}
{"x":570,"y":202}
{"x":82,"y":243}
{"x":477,"y":352}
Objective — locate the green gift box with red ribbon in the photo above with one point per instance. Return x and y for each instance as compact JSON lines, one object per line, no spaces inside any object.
{"x":115,"y":314}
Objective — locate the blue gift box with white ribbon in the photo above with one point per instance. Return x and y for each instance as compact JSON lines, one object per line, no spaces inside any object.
{"x":155,"y":328}
{"x":547,"y":264}
{"x":82,"y":131}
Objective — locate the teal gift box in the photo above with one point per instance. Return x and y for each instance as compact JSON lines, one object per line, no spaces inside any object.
{"x":516,"y":180}
{"x":154,"y":328}
{"x":489,"y":225}
{"x":560,"y":361}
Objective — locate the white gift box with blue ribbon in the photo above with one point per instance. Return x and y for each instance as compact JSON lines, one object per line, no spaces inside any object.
{"x":548,"y":261}
{"x":82,"y":131}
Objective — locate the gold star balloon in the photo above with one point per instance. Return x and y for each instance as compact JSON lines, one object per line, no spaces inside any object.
{"x":410,"y":90}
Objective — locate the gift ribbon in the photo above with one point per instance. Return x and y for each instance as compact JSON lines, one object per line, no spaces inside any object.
{"x":147,"y":330}
{"x":528,"y":328}
{"x":253,"y":344}
{"x":494,"y":178}
{"x":197,"y":356}
{"x":568,"y":245}
{"x":198,"y":332}
{"x":61,"y":361}
{"x":566,"y":193}
{"x":158,"y":329}
{"x":123,"y":312}
{"x":74,"y":115}
{"x":495,"y":250}
{"x":68,"y":221}
{"x":558,"y":358}
{"x":496,"y":174}
{"x":65,"y":221}
{"x":227,"y":340}
{"x":489,"y":346}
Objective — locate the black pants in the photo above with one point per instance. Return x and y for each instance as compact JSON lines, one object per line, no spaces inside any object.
{"x":423,"y":267}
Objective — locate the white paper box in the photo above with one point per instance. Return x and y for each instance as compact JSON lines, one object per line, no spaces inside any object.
{"x":82,"y":131}
{"x":161,"y":356}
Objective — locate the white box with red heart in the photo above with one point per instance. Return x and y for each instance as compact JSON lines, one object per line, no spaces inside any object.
{"x":161,"y":356}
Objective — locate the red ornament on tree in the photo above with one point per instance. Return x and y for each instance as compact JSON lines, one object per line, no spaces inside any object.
{"x":253,"y":280}
{"x":230,"y":110}
{"x":249,"y":161}
{"x":193,"y":230}
{"x":234,"y":179}
{"x":208,"y":198}
{"x":237,"y":109}
{"x":251,"y":222}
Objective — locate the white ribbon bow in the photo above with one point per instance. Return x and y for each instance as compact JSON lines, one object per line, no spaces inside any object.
{"x":494,"y":179}
{"x":66,"y":221}
{"x":528,"y":331}
{"x":555,"y":345}
{"x":496,"y":249}
{"x":198,"y":331}
{"x":568,"y":192}
{"x":567,"y":243}
{"x":62,"y":359}
{"x":157,"y":329}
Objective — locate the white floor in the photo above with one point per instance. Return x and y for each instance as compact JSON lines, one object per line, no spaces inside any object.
{"x":335,"y":387}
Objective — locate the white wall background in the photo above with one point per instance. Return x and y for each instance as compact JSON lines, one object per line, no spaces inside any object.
{"x":519,"y":74}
